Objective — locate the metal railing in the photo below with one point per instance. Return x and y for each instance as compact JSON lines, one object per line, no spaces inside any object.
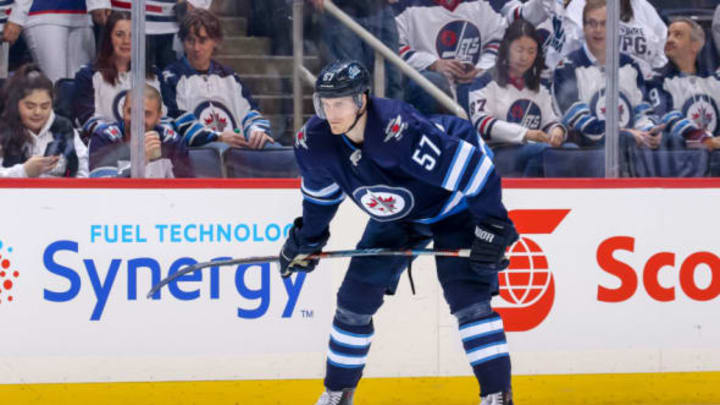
{"x":382,"y":52}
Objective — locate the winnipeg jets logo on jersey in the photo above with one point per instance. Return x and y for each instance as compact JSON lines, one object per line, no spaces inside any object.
{"x":385,"y":203}
{"x":215,"y":116}
{"x":459,"y":40}
{"x":118,"y":105}
{"x":301,"y":139}
{"x":703,"y":111}
{"x":526,"y":113}
{"x":597,"y":105}
{"x":395,"y":128}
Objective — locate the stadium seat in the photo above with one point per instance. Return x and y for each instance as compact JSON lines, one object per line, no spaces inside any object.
{"x":106,"y":162}
{"x":574,"y":162}
{"x":270,"y":162}
{"x":207,"y":160}
{"x":64,"y":96}
{"x":668,"y":163}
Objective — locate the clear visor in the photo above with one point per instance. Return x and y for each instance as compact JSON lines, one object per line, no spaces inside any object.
{"x":338,"y":105}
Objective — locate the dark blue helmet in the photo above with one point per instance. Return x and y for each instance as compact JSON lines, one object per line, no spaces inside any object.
{"x":344,"y":78}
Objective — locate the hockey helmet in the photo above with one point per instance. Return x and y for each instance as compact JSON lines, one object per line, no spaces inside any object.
{"x":341,"y":79}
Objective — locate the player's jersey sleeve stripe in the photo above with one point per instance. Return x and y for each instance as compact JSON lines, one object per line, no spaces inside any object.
{"x":325,"y":192}
{"x":479,"y":177}
{"x":458,"y":165}
{"x":321,"y":201}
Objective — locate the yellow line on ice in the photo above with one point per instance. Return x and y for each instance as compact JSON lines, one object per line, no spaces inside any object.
{"x":590,"y":389}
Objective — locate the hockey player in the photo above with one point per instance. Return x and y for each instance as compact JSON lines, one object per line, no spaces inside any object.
{"x":686,"y":99}
{"x":509,"y":105}
{"x":419,"y":180}
{"x":450,"y":41}
{"x":579,"y":88}
{"x":164,"y":151}
{"x":642,"y":32}
{"x":207,"y":100}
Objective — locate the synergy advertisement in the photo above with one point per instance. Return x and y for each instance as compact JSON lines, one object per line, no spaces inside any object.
{"x":601,"y":281}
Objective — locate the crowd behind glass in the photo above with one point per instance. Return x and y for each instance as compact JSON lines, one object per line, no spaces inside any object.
{"x":529,"y":74}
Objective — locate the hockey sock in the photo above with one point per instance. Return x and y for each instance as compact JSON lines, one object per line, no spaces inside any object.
{"x":487,"y":351}
{"x":347,"y":354}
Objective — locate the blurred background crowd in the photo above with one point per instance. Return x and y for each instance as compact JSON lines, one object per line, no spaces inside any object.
{"x":530,"y":76}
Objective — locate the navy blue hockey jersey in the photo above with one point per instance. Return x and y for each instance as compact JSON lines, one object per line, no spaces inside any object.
{"x":408,"y":168}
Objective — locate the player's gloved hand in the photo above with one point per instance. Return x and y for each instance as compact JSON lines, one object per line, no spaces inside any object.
{"x":492,"y":237}
{"x":294,"y":253}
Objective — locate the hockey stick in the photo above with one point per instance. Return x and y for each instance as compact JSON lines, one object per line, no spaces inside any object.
{"x":321,"y":255}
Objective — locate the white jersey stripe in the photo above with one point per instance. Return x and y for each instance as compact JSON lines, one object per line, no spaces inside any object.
{"x":458,"y":165}
{"x":485,"y":353}
{"x":350,"y":339}
{"x":346,"y":360}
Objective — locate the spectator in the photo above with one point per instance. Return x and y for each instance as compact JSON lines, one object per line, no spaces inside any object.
{"x":161,"y":24}
{"x":58,"y":34}
{"x":377,"y":17}
{"x":579,"y":88}
{"x":519,"y":111}
{"x":10,"y":31}
{"x":560,"y":34}
{"x":450,"y":42}
{"x":207,"y":100}
{"x":101,"y":87}
{"x":33,"y":141}
{"x":685,"y":97}
{"x":164,"y":151}
{"x":642,"y":32}
{"x":716,"y":28}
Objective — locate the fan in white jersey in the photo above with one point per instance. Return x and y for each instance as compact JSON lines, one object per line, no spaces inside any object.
{"x":101,"y":87}
{"x":510,"y":107}
{"x":207,"y":99}
{"x":450,"y":41}
{"x":642,"y":32}
{"x":579,"y":88}
{"x":686,"y":97}
{"x":58,"y":33}
{"x":561,"y":35}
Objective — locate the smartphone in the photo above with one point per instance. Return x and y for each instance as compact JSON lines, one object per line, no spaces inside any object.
{"x":53,"y":148}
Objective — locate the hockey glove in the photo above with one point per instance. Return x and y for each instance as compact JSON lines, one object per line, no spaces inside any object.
{"x":492,"y":238}
{"x":294,"y":253}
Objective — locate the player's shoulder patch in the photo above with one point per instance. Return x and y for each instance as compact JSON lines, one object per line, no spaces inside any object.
{"x":395,"y":128}
{"x":301,"y":138}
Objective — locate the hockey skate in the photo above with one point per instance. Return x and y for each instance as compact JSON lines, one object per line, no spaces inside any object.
{"x":498,"y":398}
{"x":344,"y":397}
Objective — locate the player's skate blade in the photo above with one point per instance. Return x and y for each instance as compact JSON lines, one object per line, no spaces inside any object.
{"x":344,"y":397}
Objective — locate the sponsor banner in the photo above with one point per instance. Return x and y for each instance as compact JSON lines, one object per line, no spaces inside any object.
{"x":612,"y":280}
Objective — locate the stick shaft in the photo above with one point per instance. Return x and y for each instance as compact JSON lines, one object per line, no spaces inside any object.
{"x":322,"y":255}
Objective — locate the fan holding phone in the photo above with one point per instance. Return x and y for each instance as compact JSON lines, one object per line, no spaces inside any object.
{"x":35,"y":142}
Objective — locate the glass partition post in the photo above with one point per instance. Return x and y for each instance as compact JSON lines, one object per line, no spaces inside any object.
{"x":137,"y":147}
